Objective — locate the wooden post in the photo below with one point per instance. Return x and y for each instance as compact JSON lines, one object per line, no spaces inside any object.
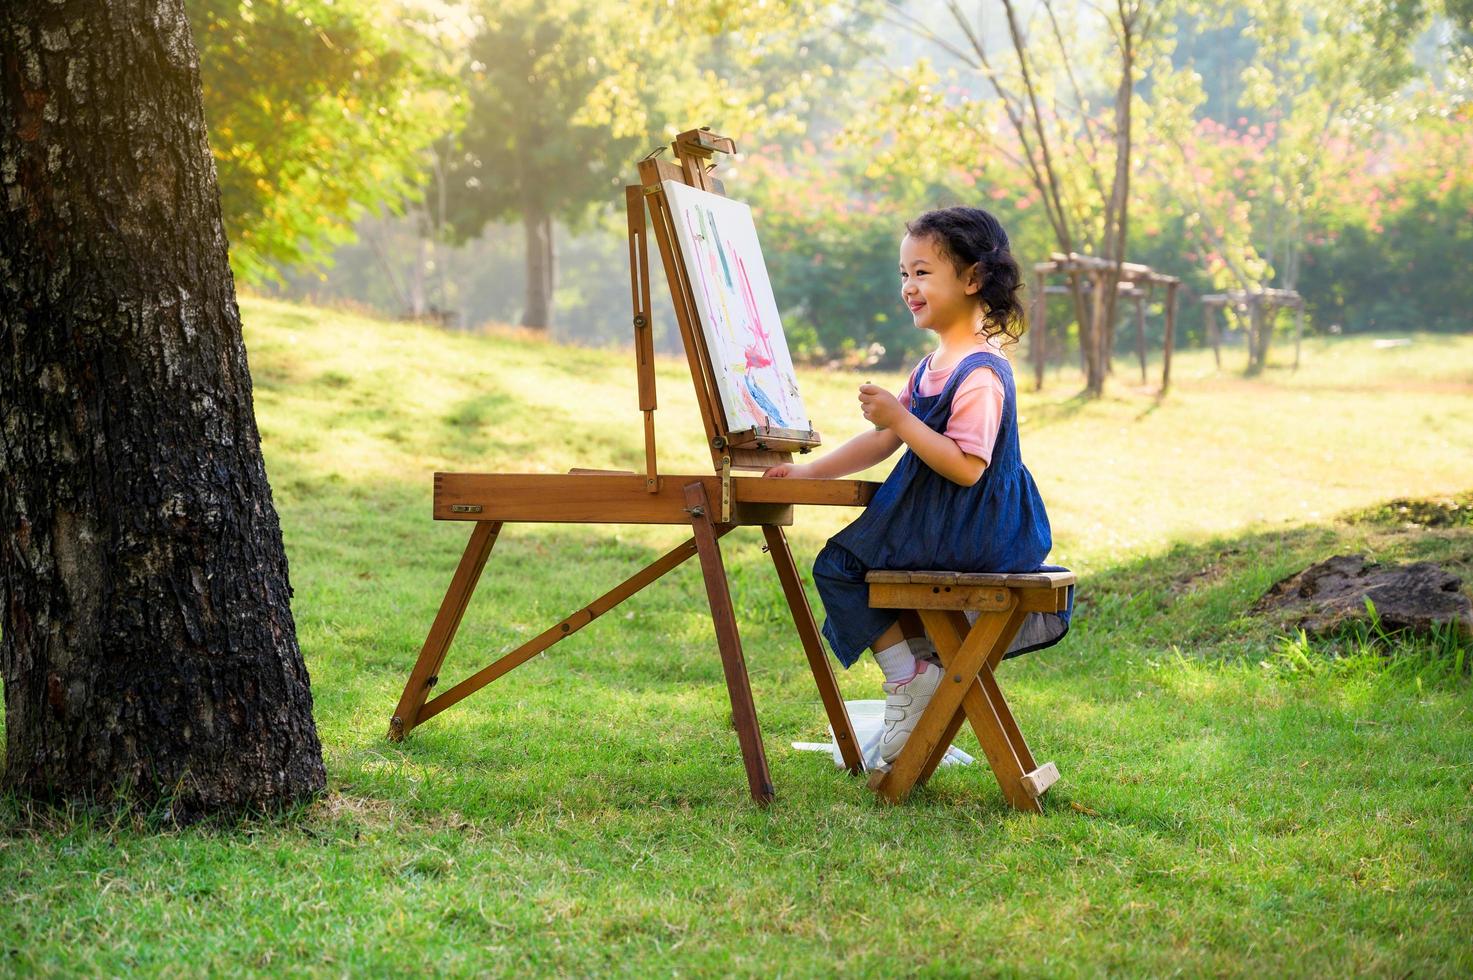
{"x":1171,"y":288}
{"x":1298,"y":331}
{"x":1213,"y":332}
{"x":1140,"y":332}
{"x":1255,"y":337}
{"x":1080,"y":284}
{"x":644,"y":343}
{"x":723,"y":616}
{"x":1039,"y":343}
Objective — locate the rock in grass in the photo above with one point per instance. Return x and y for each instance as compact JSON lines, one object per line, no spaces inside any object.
{"x":1328,"y":595}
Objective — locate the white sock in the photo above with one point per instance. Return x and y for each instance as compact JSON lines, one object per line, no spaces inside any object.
{"x":897,"y":662}
{"x":922,"y":648}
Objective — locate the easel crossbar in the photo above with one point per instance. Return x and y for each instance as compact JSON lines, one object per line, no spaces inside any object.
{"x":565,"y":628}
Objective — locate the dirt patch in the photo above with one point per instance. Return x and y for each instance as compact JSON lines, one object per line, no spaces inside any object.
{"x":1200,"y":578}
{"x":1326,"y":596}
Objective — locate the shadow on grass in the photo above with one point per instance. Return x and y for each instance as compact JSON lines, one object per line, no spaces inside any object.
{"x":632,"y":709}
{"x":1040,"y":415}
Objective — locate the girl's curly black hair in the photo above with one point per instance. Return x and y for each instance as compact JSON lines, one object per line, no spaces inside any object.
{"x":971,"y":236}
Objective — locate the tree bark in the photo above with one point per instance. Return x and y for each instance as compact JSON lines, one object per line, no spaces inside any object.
{"x":537,"y":312}
{"x":149,"y":653}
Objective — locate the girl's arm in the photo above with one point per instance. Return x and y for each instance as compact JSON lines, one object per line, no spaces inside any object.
{"x":935,"y":449}
{"x":859,"y":453}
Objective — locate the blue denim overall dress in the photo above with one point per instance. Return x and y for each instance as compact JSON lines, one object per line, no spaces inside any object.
{"x":920,"y":520}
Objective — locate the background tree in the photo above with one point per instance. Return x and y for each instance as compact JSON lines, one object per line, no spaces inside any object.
{"x":555,"y":115}
{"x":319,"y":110}
{"x":1326,"y":76}
{"x":565,"y":96}
{"x":1068,"y":102}
{"x":148,"y":648}
{"x":1383,"y":247}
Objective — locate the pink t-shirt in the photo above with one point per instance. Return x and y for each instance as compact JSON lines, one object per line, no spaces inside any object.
{"x":976,"y":406}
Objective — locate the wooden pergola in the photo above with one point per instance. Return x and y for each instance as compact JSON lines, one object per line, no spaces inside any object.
{"x":1262,"y":307}
{"x":1137,"y":282}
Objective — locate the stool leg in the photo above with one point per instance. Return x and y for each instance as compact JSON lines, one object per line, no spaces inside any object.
{"x":950,"y":639}
{"x":1006,"y":765}
{"x":988,"y":680}
{"x":939,"y":752}
{"x":965,"y":662}
{"x":1005,"y":716}
{"x":999,"y":738}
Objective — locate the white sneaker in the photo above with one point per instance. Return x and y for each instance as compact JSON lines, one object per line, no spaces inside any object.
{"x":904,"y":702}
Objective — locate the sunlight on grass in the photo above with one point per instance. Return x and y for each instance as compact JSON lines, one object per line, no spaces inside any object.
{"x":1236,"y":799}
{"x":395,"y":402}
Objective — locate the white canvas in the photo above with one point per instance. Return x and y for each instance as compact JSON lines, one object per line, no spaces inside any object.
{"x":744,"y":334}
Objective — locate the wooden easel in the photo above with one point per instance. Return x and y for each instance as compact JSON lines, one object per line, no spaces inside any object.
{"x":710,"y":505}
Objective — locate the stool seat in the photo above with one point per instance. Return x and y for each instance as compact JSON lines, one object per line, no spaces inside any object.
{"x":1009,"y":580}
{"x":969,"y":652}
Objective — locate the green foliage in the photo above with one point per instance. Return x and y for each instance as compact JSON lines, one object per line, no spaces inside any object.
{"x":834,"y":265}
{"x":1322,"y":74}
{"x":557,"y":110}
{"x":317,"y":111}
{"x":566,"y":96}
{"x":1367,"y":650}
{"x":1383,"y":254}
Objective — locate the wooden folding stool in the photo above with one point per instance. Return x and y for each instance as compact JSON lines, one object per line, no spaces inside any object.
{"x":970,"y":654}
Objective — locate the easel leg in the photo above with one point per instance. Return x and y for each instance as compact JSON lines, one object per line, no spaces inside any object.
{"x":442,"y":631}
{"x":988,"y":680}
{"x":744,"y":714}
{"x":818,"y":662}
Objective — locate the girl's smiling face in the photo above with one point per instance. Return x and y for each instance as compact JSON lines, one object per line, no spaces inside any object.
{"x":938,"y":298}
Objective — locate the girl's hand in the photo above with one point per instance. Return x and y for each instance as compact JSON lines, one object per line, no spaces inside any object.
{"x":880,"y":407}
{"x":793,"y":471}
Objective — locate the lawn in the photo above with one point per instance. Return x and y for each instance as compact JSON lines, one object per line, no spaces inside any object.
{"x":1235,"y":799}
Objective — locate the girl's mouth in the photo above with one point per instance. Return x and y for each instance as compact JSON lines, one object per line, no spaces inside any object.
{"x":916,"y":307}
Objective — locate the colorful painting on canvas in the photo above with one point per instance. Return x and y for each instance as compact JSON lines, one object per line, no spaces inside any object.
{"x":739,"y":317}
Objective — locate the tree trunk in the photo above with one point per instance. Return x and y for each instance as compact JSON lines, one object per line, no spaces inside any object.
{"x":1117,"y":215}
{"x":417,"y":308}
{"x":537,"y":312}
{"x":149,"y":654}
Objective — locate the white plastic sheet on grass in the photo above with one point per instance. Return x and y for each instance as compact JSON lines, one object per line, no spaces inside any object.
{"x":868,"y":719}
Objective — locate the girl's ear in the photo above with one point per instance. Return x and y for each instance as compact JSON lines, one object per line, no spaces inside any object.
{"x":974,"y":279}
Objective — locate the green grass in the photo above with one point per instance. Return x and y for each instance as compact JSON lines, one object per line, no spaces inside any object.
{"x":1236,"y":799}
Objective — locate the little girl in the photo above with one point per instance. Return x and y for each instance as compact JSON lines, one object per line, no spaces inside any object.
{"x":960,"y":498}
